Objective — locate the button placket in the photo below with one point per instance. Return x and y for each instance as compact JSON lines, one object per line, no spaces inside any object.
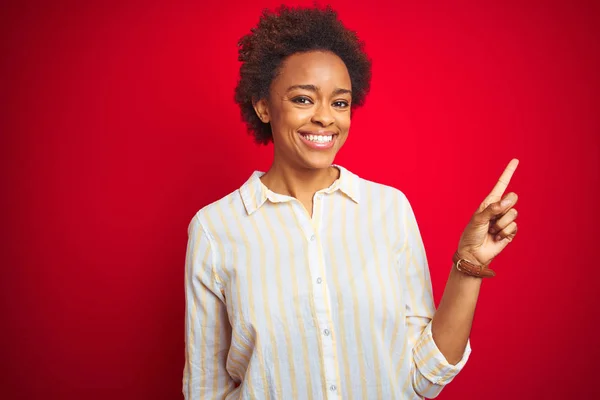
{"x":323,"y":323}
{"x":321,"y":295}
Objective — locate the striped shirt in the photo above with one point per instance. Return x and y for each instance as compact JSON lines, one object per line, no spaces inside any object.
{"x":282,"y":305}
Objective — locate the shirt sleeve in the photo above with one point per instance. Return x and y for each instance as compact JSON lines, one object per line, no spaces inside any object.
{"x":430,"y":370}
{"x":207,"y":328}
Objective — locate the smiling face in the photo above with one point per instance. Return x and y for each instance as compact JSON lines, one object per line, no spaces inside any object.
{"x":309,"y":109}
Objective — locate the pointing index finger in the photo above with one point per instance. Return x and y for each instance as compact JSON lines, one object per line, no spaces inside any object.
{"x":498,"y":190}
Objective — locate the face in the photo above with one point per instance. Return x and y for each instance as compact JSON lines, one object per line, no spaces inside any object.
{"x":309,"y":109}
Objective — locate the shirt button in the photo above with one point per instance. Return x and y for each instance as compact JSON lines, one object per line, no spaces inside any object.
{"x":319,"y":280}
{"x":312,"y":238}
{"x":326,"y":332}
{"x":332,"y":388}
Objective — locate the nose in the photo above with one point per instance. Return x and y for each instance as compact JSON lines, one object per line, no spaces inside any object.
{"x":323,"y":115}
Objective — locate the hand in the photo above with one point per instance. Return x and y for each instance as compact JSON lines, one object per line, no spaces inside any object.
{"x":493,"y":225}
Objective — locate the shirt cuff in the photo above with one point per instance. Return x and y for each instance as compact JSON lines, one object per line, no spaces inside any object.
{"x":432,"y":364}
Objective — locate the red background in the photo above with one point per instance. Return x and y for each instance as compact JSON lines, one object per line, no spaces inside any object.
{"x":118,"y":124}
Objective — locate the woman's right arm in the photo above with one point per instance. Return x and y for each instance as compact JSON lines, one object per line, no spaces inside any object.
{"x":207,"y":328}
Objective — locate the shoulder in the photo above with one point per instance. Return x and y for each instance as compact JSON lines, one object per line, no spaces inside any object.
{"x":375,"y":190}
{"x":214,"y":215}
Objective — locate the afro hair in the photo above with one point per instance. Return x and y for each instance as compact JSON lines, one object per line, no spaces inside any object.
{"x":282,"y":33}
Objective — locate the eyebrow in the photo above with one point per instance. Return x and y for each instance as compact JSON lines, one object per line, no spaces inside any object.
{"x":314,"y":88}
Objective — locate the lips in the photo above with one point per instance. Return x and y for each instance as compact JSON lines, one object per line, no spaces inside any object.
{"x":318,"y":140}
{"x":318,"y":133}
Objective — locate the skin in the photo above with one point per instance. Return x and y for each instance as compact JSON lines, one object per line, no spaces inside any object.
{"x":313,"y":93}
{"x":491,"y":228}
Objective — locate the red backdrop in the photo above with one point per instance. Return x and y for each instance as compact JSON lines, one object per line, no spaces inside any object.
{"x":118,"y":124}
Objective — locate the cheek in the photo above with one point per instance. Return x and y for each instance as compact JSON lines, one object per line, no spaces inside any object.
{"x":298,"y":117}
{"x":344,"y":122}
{"x":292,"y":118}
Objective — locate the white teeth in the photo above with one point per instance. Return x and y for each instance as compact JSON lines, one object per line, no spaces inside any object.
{"x":318,"y":138}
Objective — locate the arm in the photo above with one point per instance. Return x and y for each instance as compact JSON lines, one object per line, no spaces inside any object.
{"x":207,"y":329}
{"x":490,"y":230}
{"x":431,"y":370}
{"x":452,"y":322}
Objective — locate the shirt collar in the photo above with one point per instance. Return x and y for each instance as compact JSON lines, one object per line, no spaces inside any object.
{"x":254,"y":193}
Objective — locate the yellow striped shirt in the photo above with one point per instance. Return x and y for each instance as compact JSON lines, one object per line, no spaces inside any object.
{"x":280,"y":305}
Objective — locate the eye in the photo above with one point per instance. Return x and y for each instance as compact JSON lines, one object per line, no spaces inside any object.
{"x":341,"y":104}
{"x":301,"y":100}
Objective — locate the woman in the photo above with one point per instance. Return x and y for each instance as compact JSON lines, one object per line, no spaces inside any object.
{"x":310,"y":282}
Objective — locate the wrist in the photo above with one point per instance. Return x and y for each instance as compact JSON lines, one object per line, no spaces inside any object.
{"x":467,"y":264}
{"x":467,"y":255}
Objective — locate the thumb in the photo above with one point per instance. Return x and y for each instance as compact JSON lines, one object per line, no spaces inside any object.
{"x":492,"y":211}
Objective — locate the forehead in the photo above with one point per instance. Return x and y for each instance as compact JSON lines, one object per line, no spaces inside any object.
{"x":323,"y":69}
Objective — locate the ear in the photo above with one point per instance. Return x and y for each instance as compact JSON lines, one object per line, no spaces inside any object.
{"x":261,"y":107}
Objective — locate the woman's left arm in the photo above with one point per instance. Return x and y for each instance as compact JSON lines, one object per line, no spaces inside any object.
{"x":489,"y":231}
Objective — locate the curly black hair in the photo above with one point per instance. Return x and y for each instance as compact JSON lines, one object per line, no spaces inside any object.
{"x":285,"y":32}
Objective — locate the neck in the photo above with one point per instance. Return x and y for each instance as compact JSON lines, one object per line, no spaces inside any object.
{"x":298,"y":182}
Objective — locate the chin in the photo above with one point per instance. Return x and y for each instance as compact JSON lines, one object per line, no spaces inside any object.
{"x":321,"y":162}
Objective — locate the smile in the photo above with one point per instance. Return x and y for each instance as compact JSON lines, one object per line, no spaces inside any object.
{"x":318,"y":138}
{"x":319,"y":142}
